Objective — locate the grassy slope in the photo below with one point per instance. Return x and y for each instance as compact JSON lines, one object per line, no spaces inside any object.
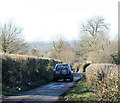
{"x":81,"y":92}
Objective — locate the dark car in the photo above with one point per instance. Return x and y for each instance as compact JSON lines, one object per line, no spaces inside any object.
{"x":62,"y":71}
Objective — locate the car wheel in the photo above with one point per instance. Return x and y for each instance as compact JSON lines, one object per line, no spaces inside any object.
{"x":64,"y":80}
{"x":55,"y":80}
{"x":71,"y":79}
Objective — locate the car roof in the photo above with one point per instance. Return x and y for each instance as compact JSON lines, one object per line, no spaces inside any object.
{"x":62,"y":64}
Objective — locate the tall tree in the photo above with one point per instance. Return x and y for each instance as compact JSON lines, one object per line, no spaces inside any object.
{"x":96,"y":29}
{"x":93,"y":37}
{"x":11,"y":39}
{"x":94,"y":26}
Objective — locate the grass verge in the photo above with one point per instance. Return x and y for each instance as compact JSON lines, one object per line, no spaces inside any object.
{"x":11,"y":91}
{"x":81,"y":92}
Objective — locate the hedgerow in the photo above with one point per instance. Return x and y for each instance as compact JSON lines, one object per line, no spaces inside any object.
{"x":104,"y":79}
{"x":18,"y":70}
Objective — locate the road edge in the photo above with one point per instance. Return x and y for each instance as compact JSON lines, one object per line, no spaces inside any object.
{"x":61,"y":97}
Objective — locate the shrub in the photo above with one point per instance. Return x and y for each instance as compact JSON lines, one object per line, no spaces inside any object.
{"x":104,"y":80}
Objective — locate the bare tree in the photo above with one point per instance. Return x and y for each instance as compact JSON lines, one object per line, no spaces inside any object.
{"x":11,"y":39}
{"x":93,"y":37}
{"x":94,"y":26}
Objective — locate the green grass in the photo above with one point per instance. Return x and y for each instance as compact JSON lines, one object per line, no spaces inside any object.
{"x":81,"y":92}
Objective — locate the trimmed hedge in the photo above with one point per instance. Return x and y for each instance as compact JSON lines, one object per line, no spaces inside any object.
{"x":85,"y":65}
{"x":104,"y":79}
{"x":18,"y":70}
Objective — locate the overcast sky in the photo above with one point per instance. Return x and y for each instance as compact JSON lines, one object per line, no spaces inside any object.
{"x":46,"y":19}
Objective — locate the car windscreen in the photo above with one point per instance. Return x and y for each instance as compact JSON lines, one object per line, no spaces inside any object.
{"x":60,"y":67}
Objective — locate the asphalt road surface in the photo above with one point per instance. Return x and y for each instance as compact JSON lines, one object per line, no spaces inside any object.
{"x":48,"y":92}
